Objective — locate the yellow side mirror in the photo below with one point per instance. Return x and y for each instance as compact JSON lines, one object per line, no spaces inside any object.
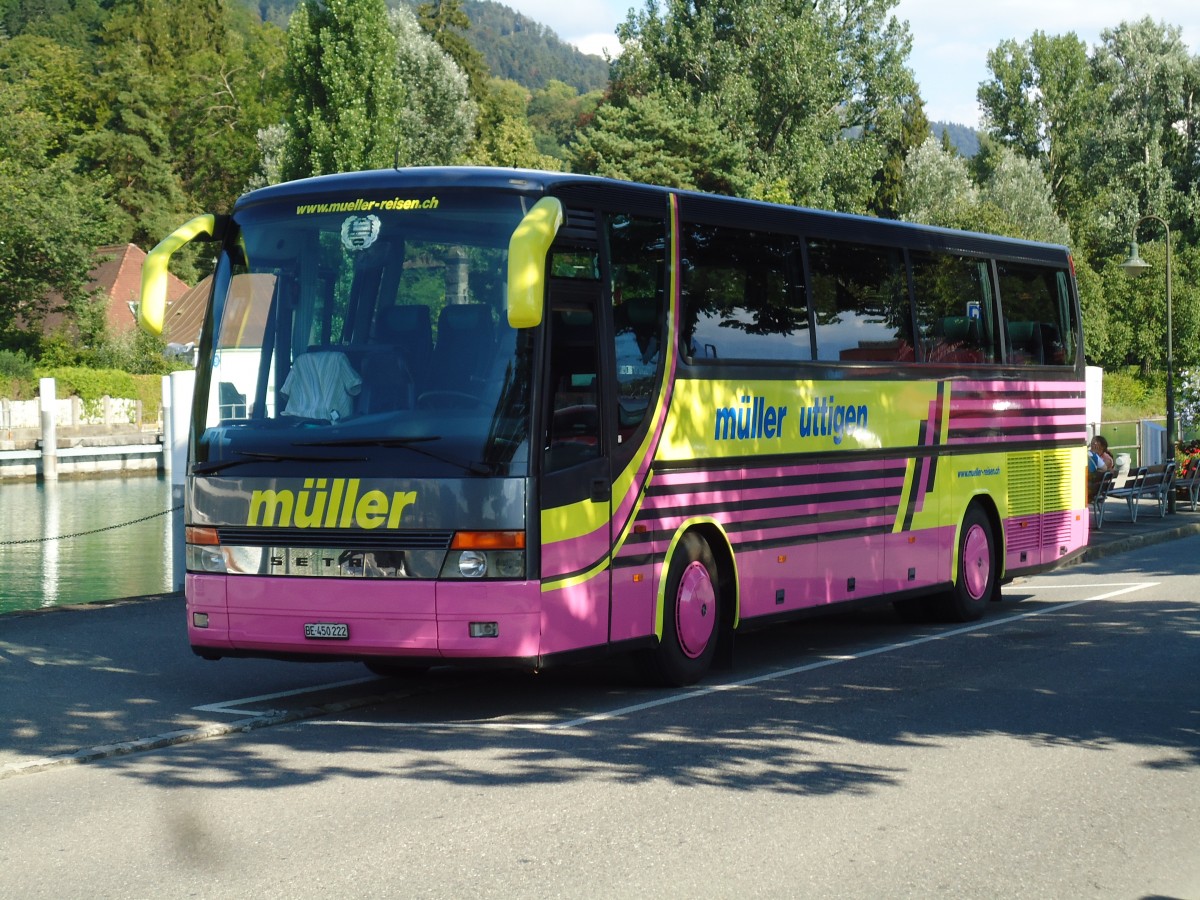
{"x":153,"y":306}
{"x":527,"y":249}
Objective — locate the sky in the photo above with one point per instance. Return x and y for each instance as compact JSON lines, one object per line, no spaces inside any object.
{"x":949,"y":55}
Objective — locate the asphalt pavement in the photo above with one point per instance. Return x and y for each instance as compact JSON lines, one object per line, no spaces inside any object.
{"x":89,"y":682}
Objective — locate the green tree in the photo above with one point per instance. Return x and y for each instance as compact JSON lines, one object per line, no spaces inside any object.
{"x":445,"y":22}
{"x":346,"y":96}
{"x":1142,"y":69}
{"x":134,"y":151}
{"x":889,"y":179}
{"x":438,"y":117}
{"x":1041,"y":101}
{"x":1137,"y":309}
{"x":55,"y":80}
{"x":51,"y":219}
{"x":938,"y":189}
{"x":815,"y":93}
{"x":227,"y":93}
{"x":1009,"y":195}
{"x":504,"y":135}
{"x":554,"y":113}
{"x":654,"y":140}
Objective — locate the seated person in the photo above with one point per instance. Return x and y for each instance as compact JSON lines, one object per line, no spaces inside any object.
{"x":1103,"y":459}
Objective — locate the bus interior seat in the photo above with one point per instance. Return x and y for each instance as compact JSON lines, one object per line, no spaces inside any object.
{"x":408,"y":328}
{"x":640,"y":314}
{"x":957,"y":339}
{"x":1053,"y":351}
{"x":387,"y":384}
{"x":898,"y":350}
{"x":1025,"y":343}
{"x":465,"y":346}
{"x":961,"y":329}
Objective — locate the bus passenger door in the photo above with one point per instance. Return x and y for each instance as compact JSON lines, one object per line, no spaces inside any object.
{"x":576,"y":487}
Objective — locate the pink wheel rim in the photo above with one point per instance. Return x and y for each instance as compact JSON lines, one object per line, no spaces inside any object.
{"x":977,"y":561}
{"x":695,"y":610}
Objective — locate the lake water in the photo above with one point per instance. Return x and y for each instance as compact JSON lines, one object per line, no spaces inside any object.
{"x":42,"y":565}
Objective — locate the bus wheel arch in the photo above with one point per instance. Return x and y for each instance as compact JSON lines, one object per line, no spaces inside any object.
{"x":697,"y":608}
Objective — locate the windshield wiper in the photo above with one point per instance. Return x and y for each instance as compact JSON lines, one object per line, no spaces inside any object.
{"x":407,"y":443}
{"x":254,"y":456}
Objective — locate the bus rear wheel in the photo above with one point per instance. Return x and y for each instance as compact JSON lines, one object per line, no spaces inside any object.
{"x":691,"y":617}
{"x":977,"y":572}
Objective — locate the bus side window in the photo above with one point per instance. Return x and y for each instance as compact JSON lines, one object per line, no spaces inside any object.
{"x":955,"y":308}
{"x":573,"y":423}
{"x":1032,"y":298}
{"x":743,"y":296}
{"x":860,"y":297}
{"x":637,"y":257}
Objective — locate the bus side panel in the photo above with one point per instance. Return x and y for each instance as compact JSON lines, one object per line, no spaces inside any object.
{"x":515,"y":608}
{"x":1035,"y":537}
{"x":634,"y":590}
{"x":269,"y":614}
{"x":777,"y":580}
{"x":571,"y":617}
{"x":917,"y":559}
{"x":575,"y":577}
{"x":851,"y":567}
{"x":1039,"y":493}
{"x":206,"y":596}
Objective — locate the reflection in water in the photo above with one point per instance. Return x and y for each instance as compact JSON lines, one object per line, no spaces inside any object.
{"x":128,"y":561}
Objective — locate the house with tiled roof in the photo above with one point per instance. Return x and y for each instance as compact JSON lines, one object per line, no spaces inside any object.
{"x":185,"y":314}
{"x":118,"y":276}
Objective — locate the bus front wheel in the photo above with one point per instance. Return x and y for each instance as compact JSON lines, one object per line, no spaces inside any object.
{"x":975,"y":585}
{"x":691,"y":616}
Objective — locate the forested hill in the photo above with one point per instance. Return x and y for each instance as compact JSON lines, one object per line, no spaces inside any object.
{"x":962,"y":138}
{"x":515,"y":46}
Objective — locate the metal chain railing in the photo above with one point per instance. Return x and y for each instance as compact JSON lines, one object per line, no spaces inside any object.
{"x":64,"y":537}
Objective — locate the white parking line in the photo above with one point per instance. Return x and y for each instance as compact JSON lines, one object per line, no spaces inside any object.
{"x":1117,"y":589}
{"x":230,"y":707}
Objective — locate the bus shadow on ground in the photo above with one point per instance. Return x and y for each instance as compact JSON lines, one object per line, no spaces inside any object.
{"x":1092,"y":677}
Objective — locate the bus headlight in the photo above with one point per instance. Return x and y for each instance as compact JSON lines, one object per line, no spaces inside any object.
{"x":508,"y":564}
{"x":205,"y":559}
{"x":472,"y":564}
{"x":204,"y":553}
{"x":486,"y":554}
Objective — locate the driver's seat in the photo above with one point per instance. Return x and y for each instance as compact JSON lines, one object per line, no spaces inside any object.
{"x":466,"y":344}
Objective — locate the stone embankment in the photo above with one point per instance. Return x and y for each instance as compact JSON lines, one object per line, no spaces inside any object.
{"x":73,"y":438}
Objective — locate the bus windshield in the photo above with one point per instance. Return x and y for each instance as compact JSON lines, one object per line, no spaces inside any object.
{"x":368,"y":333}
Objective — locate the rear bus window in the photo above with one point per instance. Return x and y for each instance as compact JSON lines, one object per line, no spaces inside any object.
{"x":1037,"y":318}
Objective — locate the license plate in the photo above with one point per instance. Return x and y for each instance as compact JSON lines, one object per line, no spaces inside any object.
{"x":327,"y":631}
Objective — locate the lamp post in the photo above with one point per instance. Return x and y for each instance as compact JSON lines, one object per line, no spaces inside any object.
{"x":1136,"y":266}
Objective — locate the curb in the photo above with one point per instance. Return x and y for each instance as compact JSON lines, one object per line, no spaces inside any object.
{"x":1135,"y":542}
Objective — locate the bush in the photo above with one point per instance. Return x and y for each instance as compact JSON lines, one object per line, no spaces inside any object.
{"x":92,"y":384}
{"x":1128,"y":396}
{"x":18,"y":380}
{"x":136,"y":352}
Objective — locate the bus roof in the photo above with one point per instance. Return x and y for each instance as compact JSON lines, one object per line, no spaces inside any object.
{"x":714,"y":208}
